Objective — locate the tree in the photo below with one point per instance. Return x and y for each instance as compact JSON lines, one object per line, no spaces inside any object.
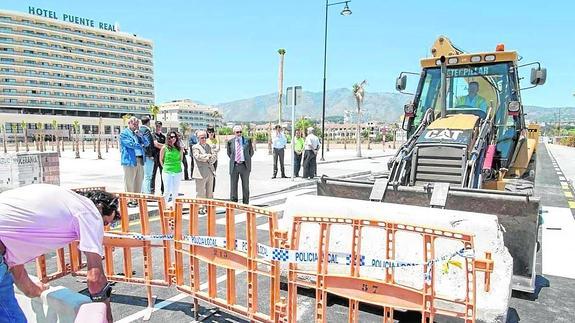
{"x":40,"y":127}
{"x":358,"y":93}
{"x":55,"y":127}
{"x":76,"y":125}
{"x":184,"y":128}
{"x":125,"y":118}
{"x":25,"y":129}
{"x":282,"y":53}
{"x":302,"y":124}
{"x":15,"y":134}
{"x":224,"y":131}
{"x":100,"y":138}
{"x":154,"y":110}
{"x":3,"y":129}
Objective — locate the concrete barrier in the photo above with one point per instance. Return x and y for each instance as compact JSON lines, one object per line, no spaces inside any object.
{"x":491,"y":306}
{"x":57,"y":304}
{"x":92,"y":313}
{"x":25,"y":168}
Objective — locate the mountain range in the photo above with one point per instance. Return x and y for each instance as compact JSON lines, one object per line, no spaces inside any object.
{"x":381,"y":106}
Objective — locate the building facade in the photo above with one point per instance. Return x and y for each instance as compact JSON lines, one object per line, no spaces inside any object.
{"x":197,"y":116}
{"x":56,"y":64}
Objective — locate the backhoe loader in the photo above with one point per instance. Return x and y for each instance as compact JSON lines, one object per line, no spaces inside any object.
{"x":468,"y":148}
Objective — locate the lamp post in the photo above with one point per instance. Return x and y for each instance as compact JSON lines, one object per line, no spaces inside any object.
{"x":344,"y":12}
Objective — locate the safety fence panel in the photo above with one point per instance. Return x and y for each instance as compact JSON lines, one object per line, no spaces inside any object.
{"x":232,"y":248}
{"x":340,"y":273}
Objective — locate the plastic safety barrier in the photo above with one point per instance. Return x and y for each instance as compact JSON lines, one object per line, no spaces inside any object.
{"x":229,"y":248}
{"x":230,"y":245}
{"x":386,"y":292}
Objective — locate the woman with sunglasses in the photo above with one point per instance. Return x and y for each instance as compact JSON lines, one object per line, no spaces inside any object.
{"x":171,"y":160}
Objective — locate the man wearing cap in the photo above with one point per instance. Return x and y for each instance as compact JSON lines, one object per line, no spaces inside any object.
{"x":311,"y":147}
{"x":279,"y":142}
{"x":40,"y":218}
{"x":240,"y":151}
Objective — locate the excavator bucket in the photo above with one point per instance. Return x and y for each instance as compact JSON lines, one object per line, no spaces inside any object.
{"x":518,"y":213}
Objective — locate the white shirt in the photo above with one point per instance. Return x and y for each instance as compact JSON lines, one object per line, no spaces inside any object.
{"x":40,"y":218}
{"x":279,"y":140}
{"x":311,"y":142}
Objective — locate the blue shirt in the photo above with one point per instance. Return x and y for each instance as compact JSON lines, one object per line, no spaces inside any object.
{"x":130,"y":146}
{"x":279,"y":140}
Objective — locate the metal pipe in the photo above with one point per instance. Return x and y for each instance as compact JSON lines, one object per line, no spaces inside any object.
{"x":324,"y":77}
{"x":443,"y":89}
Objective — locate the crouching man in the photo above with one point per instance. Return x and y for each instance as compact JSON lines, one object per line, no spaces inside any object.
{"x":37,"y":219}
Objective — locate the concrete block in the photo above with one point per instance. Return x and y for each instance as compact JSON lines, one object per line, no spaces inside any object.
{"x":25,"y":168}
{"x":491,"y":306}
{"x":92,"y":313}
{"x":57,"y":304}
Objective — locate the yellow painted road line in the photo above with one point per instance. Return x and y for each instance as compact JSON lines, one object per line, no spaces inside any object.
{"x":568,"y":194}
{"x":571,"y":204}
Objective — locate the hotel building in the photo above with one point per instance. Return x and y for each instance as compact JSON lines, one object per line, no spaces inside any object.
{"x":196,"y":115}
{"x":68,"y":66}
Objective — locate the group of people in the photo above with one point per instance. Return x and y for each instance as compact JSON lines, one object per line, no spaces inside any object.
{"x":306,"y":148}
{"x":144,"y":152}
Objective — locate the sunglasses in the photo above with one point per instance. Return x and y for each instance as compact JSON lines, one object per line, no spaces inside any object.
{"x":238,"y":132}
{"x":173,"y":137}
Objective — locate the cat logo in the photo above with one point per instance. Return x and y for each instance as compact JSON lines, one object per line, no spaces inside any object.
{"x":445,"y":134}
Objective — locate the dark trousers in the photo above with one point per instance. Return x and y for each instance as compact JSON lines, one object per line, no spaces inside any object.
{"x":153,"y":183}
{"x":279,"y":154}
{"x":309,"y":164}
{"x":185,"y":162}
{"x":296,"y":164}
{"x":240,"y":171}
{"x":215,"y":169}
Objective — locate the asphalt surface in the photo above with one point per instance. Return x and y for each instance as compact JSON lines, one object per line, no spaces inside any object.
{"x":553,"y":300}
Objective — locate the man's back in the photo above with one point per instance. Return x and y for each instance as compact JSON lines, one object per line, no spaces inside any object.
{"x":54,"y":217}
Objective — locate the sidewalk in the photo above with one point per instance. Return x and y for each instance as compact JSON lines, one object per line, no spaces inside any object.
{"x":89,"y":171}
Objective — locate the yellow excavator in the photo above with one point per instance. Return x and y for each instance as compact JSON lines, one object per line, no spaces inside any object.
{"x":468,"y":148}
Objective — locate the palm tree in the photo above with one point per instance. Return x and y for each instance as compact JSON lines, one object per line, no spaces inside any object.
{"x":282,"y":53}
{"x":15,"y":133}
{"x":25,"y":129}
{"x":40,"y":132}
{"x":76,"y":125}
{"x":358,"y":93}
{"x":3,"y":129}
{"x":154,"y":110}
{"x":184,"y":128}
{"x":55,"y":127}
{"x":125,"y":118}
{"x":100,"y":138}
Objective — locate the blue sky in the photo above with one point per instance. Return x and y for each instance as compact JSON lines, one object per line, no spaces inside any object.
{"x":216,"y":51}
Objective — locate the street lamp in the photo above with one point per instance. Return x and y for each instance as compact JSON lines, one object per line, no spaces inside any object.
{"x":344,"y":12}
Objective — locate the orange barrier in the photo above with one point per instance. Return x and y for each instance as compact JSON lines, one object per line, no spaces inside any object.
{"x":227,"y":251}
{"x":127,"y":240}
{"x":385,"y":293}
{"x":238,"y":251}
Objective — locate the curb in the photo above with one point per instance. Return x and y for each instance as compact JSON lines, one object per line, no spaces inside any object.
{"x":353,"y":159}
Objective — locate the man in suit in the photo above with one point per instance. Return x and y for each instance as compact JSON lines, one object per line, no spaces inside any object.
{"x":204,"y":171}
{"x":240,"y":151}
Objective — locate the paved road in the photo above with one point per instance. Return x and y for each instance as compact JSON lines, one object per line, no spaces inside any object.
{"x":554,"y":300}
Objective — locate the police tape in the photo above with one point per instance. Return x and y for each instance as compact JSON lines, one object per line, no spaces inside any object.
{"x":298,"y":256}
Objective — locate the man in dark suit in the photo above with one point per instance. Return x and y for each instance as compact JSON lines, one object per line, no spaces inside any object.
{"x":240,"y":151}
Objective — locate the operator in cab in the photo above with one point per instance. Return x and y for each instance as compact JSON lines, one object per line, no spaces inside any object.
{"x":472,"y":99}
